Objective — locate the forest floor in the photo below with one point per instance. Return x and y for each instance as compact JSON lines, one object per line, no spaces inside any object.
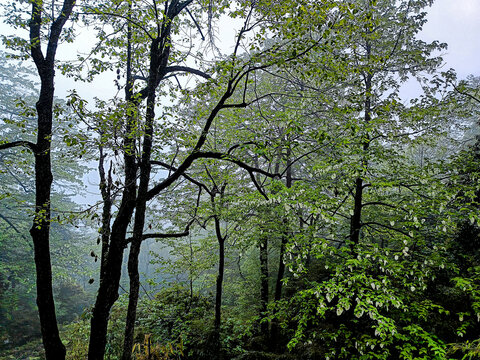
{"x":33,"y":350}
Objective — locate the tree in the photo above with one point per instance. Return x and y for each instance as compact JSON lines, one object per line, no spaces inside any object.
{"x":369,"y":196}
{"x":40,"y":230}
{"x":232,"y":73}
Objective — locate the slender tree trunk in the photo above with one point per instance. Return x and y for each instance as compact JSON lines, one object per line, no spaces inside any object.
{"x":112,"y":265}
{"x":132,"y":300}
{"x":281,"y":264}
{"x":264,"y":282}
{"x":106,"y":191}
{"x":191,"y":271}
{"x":109,"y":284}
{"x":221,"y":269}
{"x":159,"y":56}
{"x":139,"y":223}
{"x":221,"y":266}
{"x":356,"y":219}
{"x":40,"y":231}
{"x":263,"y":257}
{"x":219,"y":286}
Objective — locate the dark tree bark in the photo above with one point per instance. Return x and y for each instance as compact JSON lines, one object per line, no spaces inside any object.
{"x":274,"y":330}
{"x":221,"y":267}
{"x":264,"y":292}
{"x":40,"y":231}
{"x":109,"y":283}
{"x":106,"y":191}
{"x":281,"y":264}
{"x":159,"y":57}
{"x":111,"y":268}
{"x":356,"y":219}
{"x":263,"y":257}
{"x":110,"y":278}
{"x":139,"y":222}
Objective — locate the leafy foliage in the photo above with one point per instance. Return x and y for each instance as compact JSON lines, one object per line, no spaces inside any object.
{"x":333,"y":218}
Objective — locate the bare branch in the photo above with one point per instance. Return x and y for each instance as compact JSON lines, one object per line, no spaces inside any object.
{"x":196,"y":24}
{"x":245,"y":166}
{"x":186,"y":232}
{"x":221,"y":156}
{"x":124,"y":17}
{"x":187,"y":69}
{"x":257,"y":185}
{"x":185,"y":175}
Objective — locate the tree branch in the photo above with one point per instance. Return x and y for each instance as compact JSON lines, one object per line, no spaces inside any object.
{"x":187,"y":69}
{"x":186,"y":232}
{"x":186,"y":176}
{"x":27,"y":144}
{"x":370,"y":223}
{"x":16,"y":229}
{"x":124,"y":17}
{"x":466,"y":94}
{"x":35,"y":44}
{"x":196,"y":24}
{"x":207,"y":155}
{"x":56,"y":29}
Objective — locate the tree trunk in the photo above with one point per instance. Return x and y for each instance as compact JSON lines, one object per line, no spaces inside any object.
{"x":112,"y":262}
{"x":221,"y":269}
{"x":109,"y":284}
{"x":141,"y":205}
{"x":264,"y":282}
{"x":106,"y":191}
{"x":281,"y":265}
{"x":40,"y":231}
{"x":218,"y":295}
{"x":356,"y":219}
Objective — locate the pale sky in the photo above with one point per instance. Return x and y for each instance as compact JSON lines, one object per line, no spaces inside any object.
{"x":456,"y":22}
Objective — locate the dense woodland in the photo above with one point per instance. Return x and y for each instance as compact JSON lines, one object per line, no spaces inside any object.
{"x":277,"y":196}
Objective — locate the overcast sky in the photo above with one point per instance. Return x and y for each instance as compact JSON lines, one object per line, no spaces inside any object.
{"x":457,"y":22}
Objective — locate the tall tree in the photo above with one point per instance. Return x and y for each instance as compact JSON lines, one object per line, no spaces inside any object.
{"x":370,"y":194}
{"x":40,"y":231}
{"x":17,"y":110}
{"x":157,"y":27}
